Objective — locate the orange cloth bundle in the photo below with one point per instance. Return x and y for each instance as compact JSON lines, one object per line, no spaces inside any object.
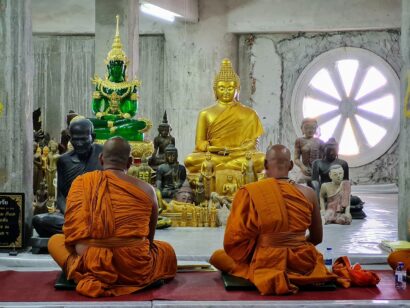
{"x":354,"y":275}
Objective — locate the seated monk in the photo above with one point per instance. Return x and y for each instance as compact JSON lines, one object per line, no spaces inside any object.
{"x":108,"y":245}
{"x":265,"y":239}
{"x":226,"y":129}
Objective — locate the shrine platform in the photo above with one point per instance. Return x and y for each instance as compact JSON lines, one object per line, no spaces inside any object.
{"x":359,"y":241}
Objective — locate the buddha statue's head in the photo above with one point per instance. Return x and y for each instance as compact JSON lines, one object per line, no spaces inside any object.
{"x":185,"y":194}
{"x":309,"y":127}
{"x":164,"y":128}
{"x":116,"y":60}
{"x":171,"y":154}
{"x":336,"y":174}
{"x":331,"y":149}
{"x":208,"y":155}
{"x":226,"y":83}
{"x":144,"y":175}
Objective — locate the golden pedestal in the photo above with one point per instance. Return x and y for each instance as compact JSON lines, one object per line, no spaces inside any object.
{"x":138,"y":148}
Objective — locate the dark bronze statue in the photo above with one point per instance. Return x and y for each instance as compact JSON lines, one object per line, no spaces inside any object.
{"x":82,"y":159}
{"x":161,"y":141}
{"x":170,"y":175}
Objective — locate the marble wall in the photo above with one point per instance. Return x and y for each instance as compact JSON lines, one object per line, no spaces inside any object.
{"x":16,"y":102}
{"x":273,"y":63}
{"x":63,"y":69}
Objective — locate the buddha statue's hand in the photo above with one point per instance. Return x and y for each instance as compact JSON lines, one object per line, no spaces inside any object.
{"x":126,"y":115}
{"x":99,"y":115}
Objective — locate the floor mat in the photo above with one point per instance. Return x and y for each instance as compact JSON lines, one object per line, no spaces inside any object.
{"x":191,"y":286}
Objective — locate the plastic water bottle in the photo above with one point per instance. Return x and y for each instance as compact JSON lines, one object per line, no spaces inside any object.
{"x":329,"y":258}
{"x":400,"y":276}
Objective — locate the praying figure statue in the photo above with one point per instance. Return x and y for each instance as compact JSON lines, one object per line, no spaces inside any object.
{"x":248,"y":170}
{"x":52,"y":168}
{"x":227,"y":129}
{"x":230,"y":187}
{"x":335,"y":198}
{"x":170,"y":175}
{"x":115,"y":99}
{"x":309,"y":149}
{"x":161,"y":141}
{"x":208,"y":173}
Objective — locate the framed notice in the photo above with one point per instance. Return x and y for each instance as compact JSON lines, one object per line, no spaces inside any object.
{"x":11,"y":220}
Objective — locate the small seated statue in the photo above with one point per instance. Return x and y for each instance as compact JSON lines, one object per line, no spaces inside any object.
{"x":320,"y":175}
{"x":208,"y":174}
{"x":309,"y":148}
{"x":170,"y":175}
{"x":230,"y":187}
{"x":143,"y":171}
{"x":248,"y":170}
{"x":227,"y":129}
{"x":115,"y":99}
{"x":335,"y":198}
{"x":41,"y":199}
{"x":161,"y":141}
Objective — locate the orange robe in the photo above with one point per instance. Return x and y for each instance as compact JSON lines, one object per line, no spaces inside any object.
{"x":104,"y":208}
{"x":265,"y":239}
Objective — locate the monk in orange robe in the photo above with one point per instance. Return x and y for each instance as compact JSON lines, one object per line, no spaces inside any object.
{"x":265,"y":236}
{"x":108,"y":246}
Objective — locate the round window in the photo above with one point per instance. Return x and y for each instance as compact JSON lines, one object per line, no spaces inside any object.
{"x":354,"y":95}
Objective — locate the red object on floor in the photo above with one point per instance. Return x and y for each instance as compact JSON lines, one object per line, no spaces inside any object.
{"x":194,"y":286}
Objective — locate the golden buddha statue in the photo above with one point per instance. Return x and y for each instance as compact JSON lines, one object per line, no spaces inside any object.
{"x":226,"y":129}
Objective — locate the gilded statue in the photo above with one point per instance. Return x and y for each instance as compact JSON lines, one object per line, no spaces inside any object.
{"x":230,"y":187}
{"x":335,"y":198}
{"x":52,"y":168}
{"x":208,"y":174}
{"x":248,"y":170}
{"x":309,"y":148}
{"x":161,"y":141}
{"x":44,"y":161}
{"x":143,"y":171}
{"x":227,"y":129}
{"x":115,"y":99}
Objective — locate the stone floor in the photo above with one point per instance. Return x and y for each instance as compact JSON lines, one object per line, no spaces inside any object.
{"x":360,"y":241}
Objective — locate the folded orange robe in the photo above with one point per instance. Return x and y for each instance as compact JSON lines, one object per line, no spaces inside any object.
{"x":265,"y":239}
{"x":107,"y":209}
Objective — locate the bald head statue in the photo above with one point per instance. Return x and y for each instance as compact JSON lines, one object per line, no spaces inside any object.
{"x":82,"y":136}
{"x":277,"y":161}
{"x":116,"y":154}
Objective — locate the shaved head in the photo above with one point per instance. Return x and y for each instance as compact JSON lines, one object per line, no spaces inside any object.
{"x":116,"y":153}
{"x":277,"y":161}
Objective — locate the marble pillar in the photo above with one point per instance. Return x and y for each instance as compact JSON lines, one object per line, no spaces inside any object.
{"x":16,"y":102}
{"x":105,"y":12}
{"x":404,"y":138}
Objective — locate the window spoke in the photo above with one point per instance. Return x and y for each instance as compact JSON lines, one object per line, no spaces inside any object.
{"x":327,"y":116}
{"x":358,"y":80}
{"x":380,"y":92}
{"x":339,"y":128}
{"x":372,"y":117}
{"x":337,"y":81}
{"x":359,"y":134}
{"x":322,"y":96}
